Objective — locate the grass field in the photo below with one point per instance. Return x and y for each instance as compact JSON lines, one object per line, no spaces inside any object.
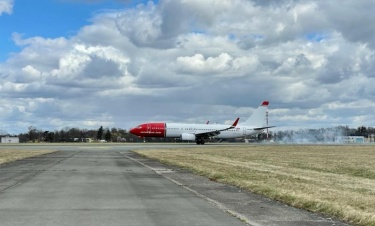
{"x":335,"y":180}
{"x":13,"y":155}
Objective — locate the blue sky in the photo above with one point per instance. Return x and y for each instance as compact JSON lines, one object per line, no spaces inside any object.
{"x":92,"y":63}
{"x":50,"y":19}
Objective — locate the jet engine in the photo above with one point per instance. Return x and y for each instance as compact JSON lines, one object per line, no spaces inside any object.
{"x":187,"y":136}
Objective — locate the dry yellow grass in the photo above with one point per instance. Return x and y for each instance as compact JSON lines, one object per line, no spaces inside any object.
{"x":9,"y":155}
{"x":335,"y":180}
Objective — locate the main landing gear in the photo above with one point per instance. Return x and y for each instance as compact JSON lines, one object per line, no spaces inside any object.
{"x":199,"y":140}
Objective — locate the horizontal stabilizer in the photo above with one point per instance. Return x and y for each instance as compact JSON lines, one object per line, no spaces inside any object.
{"x":261,"y":128}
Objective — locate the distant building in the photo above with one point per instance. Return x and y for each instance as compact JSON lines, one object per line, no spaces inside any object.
{"x":350,"y":139}
{"x":10,"y":140}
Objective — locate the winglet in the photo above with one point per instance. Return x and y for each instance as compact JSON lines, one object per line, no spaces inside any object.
{"x":235,"y":123}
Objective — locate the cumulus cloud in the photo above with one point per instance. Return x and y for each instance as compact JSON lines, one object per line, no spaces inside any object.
{"x":353,"y":25}
{"x":195,"y":61}
{"x":6,"y":6}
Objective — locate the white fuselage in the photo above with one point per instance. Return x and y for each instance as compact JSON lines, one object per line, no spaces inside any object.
{"x":176,"y":129}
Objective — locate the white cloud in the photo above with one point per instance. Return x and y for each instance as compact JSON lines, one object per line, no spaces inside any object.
{"x":6,"y":6}
{"x":195,"y":61}
{"x":198,"y":64}
{"x":350,"y":19}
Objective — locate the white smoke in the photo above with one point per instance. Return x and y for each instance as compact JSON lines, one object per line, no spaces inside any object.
{"x":310,"y":136}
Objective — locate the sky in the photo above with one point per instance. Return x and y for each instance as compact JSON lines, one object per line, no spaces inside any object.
{"x":91,"y":63}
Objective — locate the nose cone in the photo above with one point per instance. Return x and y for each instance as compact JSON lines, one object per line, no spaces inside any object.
{"x":134,"y":131}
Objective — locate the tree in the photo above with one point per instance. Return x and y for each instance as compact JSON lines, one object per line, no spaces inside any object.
{"x":99,"y":135}
{"x":33,"y":135}
{"x":48,"y":136}
{"x":361,"y":131}
{"x":108,"y":136}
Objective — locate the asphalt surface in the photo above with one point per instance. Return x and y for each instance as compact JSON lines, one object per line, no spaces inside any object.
{"x":109,"y":185}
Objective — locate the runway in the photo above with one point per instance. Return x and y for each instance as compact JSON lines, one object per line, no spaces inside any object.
{"x":108,"y":185}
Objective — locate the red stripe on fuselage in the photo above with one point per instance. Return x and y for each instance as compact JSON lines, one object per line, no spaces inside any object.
{"x":153,"y":129}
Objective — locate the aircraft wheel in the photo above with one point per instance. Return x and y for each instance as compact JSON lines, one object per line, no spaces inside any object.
{"x":200,"y":141}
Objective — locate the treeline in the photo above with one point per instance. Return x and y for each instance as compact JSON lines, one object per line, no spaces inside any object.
{"x":35,"y":135}
{"x":121,"y":135}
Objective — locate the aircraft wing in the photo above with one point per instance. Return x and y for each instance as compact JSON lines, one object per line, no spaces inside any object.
{"x":216,"y":132}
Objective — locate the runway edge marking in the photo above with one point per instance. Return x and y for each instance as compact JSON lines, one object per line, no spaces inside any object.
{"x":212,"y":201}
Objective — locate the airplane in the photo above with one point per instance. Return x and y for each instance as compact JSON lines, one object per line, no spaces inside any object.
{"x":255,"y":124}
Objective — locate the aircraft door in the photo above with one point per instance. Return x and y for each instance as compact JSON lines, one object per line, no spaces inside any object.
{"x":148,"y":128}
{"x":244,"y":131}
